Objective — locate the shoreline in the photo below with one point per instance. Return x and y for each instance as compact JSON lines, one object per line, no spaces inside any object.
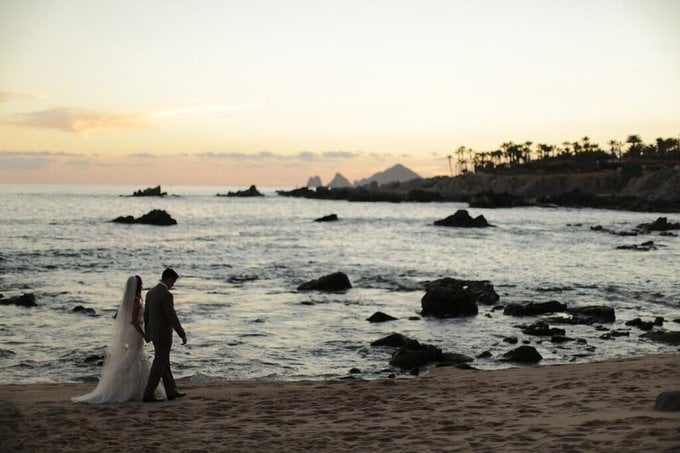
{"x":598,"y":406}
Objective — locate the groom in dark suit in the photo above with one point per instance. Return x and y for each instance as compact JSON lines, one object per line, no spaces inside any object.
{"x":159,"y":320}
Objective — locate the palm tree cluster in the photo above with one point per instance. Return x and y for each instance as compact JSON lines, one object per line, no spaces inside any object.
{"x":578,"y":155}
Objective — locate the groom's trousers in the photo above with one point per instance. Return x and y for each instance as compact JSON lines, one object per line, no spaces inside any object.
{"x":160,"y":369}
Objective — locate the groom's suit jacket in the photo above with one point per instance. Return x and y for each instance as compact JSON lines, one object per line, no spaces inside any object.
{"x":159,"y":315}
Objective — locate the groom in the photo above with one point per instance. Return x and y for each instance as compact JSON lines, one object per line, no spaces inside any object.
{"x":159,"y":320}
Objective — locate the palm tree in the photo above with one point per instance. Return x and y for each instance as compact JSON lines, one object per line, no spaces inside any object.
{"x":449,"y":157}
{"x":615,"y":148}
{"x":636,"y":145}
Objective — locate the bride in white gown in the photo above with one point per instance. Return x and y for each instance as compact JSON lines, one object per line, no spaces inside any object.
{"x":126,"y":367}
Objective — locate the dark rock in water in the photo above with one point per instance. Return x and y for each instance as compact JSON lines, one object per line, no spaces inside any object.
{"x":668,"y":401}
{"x":660,"y":224}
{"x":415,"y":355}
{"x":242,"y":278}
{"x":251,"y":192}
{"x":453,"y":359}
{"x":93,"y":359}
{"x":640,"y":324}
{"x":337,"y":281}
{"x":542,"y":329}
{"x":669,"y":337}
{"x":534,"y":308}
{"x":150,"y":192}
{"x":484,"y":355}
{"x":463,"y":220}
{"x":83,"y":310}
{"x":591,"y":314}
{"x":355,"y":371}
{"x":644,"y":247}
{"x":523,"y":354}
{"x":491,"y":199}
{"x":449,"y":297}
{"x":6,"y":353}
{"x":156,"y":217}
{"x":25,"y":300}
{"x":327,"y":218}
{"x":394,"y":340}
{"x":511,"y":340}
{"x":380,"y":317}
{"x":561,"y":339}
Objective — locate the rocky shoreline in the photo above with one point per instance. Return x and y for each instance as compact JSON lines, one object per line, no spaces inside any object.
{"x":653,"y":191}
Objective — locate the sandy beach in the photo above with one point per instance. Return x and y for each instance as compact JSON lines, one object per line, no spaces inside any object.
{"x":603,"y":406}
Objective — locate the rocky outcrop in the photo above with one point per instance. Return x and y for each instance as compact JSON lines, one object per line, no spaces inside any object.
{"x":379,"y":316}
{"x":150,"y":192}
{"x":660,"y":224}
{"x":83,"y":310}
{"x":250,"y":192}
{"x":25,"y":300}
{"x":327,"y":218}
{"x":542,"y":329}
{"x":645,"y":325}
{"x":339,"y":182}
{"x":490,"y":199}
{"x":462,"y":219}
{"x":523,"y":354}
{"x":668,"y":337}
{"x":668,"y":401}
{"x":534,"y":308}
{"x":156,"y":217}
{"x":591,"y":314}
{"x":415,"y":355}
{"x":394,"y":340}
{"x":396,"y":173}
{"x":644,"y":247}
{"x":337,"y":281}
{"x":313,"y":182}
{"x":449,"y":297}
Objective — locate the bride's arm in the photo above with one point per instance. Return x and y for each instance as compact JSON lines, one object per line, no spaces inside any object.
{"x":135,"y":319}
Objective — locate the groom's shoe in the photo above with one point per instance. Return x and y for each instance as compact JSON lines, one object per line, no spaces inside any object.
{"x":176,"y":395}
{"x":152,"y":400}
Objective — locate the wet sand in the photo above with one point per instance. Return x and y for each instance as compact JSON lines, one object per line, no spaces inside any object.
{"x":604,"y":406}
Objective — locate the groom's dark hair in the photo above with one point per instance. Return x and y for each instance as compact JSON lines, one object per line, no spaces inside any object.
{"x":169,"y":274}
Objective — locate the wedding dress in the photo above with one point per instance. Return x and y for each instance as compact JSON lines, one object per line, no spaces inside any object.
{"x":126,"y":367}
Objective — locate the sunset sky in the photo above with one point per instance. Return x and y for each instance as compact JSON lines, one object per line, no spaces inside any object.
{"x":271,"y":92}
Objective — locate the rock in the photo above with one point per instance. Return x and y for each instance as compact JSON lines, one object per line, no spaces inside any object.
{"x":339,"y":182}
{"x":380,"y":317}
{"x":313,"y":182}
{"x":561,"y":339}
{"x":150,"y":192}
{"x":484,"y":355}
{"x":25,"y":300}
{"x":355,"y":371}
{"x":660,"y":224}
{"x":669,"y":337}
{"x":328,"y":218}
{"x":534,"y":308}
{"x":543,"y":329}
{"x":644,"y":247}
{"x":394,"y":340}
{"x":463,"y":220}
{"x":6,"y":353}
{"x":591,"y":314}
{"x":83,"y":310}
{"x":523,"y":354}
{"x":668,"y":401}
{"x":449,"y":297}
{"x":98,"y":359}
{"x":640,"y":324}
{"x":415,"y":355}
{"x":155,"y":217}
{"x":251,"y":192}
{"x":453,"y":359}
{"x":337,"y":281}
{"x":511,"y":340}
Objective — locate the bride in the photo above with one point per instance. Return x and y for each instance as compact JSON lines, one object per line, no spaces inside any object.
{"x":126,"y":368}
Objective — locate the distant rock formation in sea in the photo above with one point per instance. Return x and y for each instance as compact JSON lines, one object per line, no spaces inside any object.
{"x":396,"y":173}
{"x":339,"y":182}
{"x":150,"y":192}
{"x":313,"y":182}
{"x":251,"y":192}
{"x":155,"y":217}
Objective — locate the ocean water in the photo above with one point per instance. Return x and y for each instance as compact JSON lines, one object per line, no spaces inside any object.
{"x":241,"y":260}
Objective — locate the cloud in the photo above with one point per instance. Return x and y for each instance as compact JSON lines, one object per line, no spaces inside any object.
{"x":306,"y":156}
{"x":143,"y":155}
{"x":35,"y":160}
{"x":39,"y":154}
{"x":78,"y":121}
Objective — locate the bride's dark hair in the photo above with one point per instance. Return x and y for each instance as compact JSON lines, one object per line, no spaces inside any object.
{"x":139,"y":284}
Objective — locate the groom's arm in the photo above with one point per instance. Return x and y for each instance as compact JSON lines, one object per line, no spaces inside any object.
{"x":169,"y":307}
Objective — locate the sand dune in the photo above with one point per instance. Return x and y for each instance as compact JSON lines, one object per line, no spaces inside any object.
{"x":606,"y":406}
